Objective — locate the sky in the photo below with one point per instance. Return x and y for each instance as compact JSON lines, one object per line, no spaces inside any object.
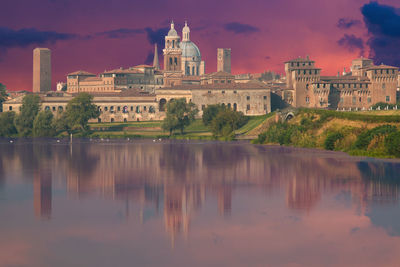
{"x":98,"y":35}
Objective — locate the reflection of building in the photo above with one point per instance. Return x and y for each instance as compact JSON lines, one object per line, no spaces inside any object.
{"x":225,"y":200}
{"x":42,"y":194}
{"x":41,"y":70}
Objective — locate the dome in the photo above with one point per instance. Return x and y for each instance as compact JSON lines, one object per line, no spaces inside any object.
{"x":189,"y":49}
{"x":186,"y":28}
{"x":172,"y":32}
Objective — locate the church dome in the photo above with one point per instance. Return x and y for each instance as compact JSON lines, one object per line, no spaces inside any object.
{"x":172,"y":31}
{"x":189,"y":49}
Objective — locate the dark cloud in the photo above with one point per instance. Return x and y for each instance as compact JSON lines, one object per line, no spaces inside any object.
{"x":149,"y":59}
{"x":267,"y":57}
{"x":121,"y":33}
{"x":347,"y":23}
{"x":29,"y":36}
{"x":352,"y":43}
{"x":156,"y":36}
{"x":240,"y":28}
{"x":383,"y":24}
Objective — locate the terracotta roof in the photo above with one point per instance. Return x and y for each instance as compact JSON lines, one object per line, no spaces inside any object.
{"x":92,"y":79}
{"x":299,"y":60}
{"x":304,"y":68}
{"x":143,"y":66}
{"x":82,"y":73}
{"x":219,"y":74}
{"x":381,"y":67}
{"x":228,"y":86}
{"x":122,"y":71}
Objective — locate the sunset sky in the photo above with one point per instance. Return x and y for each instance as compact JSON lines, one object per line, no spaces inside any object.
{"x":98,"y":35}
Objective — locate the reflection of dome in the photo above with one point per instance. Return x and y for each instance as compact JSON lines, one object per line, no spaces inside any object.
{"x":189,"y":49}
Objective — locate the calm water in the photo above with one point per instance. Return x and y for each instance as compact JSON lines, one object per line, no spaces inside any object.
{"x":145,"y":203}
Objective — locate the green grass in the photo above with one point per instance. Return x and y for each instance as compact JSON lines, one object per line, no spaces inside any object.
{"x":253,"y":122}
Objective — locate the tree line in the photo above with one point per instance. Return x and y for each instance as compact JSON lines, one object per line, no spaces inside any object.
{"x":221,"y":120}
{"x":32,"y":121}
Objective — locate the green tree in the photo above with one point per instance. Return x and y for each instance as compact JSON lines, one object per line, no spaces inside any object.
{"x":392,"y":144}
{"x":226,"y":122}
{"x":179,"y":115}
{"x":7,"y":127}
{"x":43,"y":125}
{"x":29,"y":110}
{"x":77,"y":114}
{"x":210,"y":112}
{"x":3,"y":95}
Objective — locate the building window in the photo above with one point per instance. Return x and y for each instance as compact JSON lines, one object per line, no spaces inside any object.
{"x":369,"y":100}
{"x":235,"y":92}
{"x":209,"y":92}
{"x":248,"y":97}
{"x":144,"y":108}
{"x":354,"y":99}
{"x":119,"y":108}
{"x":223,"y":92}
{"x":229,"y":105}
{"x":387,"y":98}
{"x":234,"y":106}
{"x":47,"y":108}
{"x":265,"y":107}
{"x":105,"y":108}
{"x":203,"y":107}
{"x":248,"y":107}
{"x":131,"y":108}
{"x":54,"y":108}
{"x":138,"y":109}
{"x":307,"y":99}
{"x":383,"y":86}
{"x":229,"y":81}
{"x":10,"y":108}
{"x":359,"y":99}
{"x":265,"y":97}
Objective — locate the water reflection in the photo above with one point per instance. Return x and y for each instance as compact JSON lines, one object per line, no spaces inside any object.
{"x":173,"y":180}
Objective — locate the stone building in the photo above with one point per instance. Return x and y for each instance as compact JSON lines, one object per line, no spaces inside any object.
{"x":224,"y":60}
{"x":144,"y":77}
{"x":124,"y":106}
{"x":363,"y":87}
{"x":250,"y":98}
{"x":41,"y":70}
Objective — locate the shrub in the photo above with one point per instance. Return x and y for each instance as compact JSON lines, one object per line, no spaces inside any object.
{"x":331,"y":139}
{"x":365,"y":138}
{"x":392,"y":144}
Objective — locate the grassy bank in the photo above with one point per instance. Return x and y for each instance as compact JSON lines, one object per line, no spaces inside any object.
{"x":152,"y":129}
{"x":374,"y":134}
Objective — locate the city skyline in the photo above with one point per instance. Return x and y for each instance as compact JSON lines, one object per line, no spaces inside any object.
{"x":261,"y":39}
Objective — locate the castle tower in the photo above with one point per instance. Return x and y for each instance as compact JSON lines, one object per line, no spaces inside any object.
{"x":41,"y":70}
{"x":224,"y":60}
{"x":172,"y":58}
{"x":156,"y":63}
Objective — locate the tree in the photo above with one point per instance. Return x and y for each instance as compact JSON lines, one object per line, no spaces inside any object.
{"x":210,"y":112}
{"x":3,"y":95}
{"x":29,"y":110}
{"x":43,"y":124}
{"x":179,"y":115}
{"x":226,"y":122}
{"x":392,"y":144}
{"x":7,"y":127}
{"x":77,"y":114}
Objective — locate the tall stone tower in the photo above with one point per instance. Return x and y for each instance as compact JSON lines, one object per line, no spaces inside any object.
{"x":156,"y":63}
{"x":41,"y":70}
{"x":172,"y":58}
{"x":224,"y":60}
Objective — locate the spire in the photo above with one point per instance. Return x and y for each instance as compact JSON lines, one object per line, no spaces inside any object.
{"x":156,"y":63}
{"x":186,"y":33}
{"x":172,"y":25}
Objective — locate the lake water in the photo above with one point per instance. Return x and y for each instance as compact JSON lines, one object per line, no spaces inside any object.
{"x":181,"y":203}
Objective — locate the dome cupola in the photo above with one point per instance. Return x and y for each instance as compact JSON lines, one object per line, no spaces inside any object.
{"x":186,"y":33}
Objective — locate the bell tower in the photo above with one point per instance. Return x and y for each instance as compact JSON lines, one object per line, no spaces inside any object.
{"x":172,"y":58}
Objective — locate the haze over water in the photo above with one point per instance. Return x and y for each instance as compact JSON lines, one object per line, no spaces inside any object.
{"x":179,"y":203}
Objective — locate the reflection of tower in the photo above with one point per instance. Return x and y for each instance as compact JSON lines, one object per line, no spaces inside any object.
{"x":42,"y":193}
{"x":224,"y":60}
{"x":303,"y":193}
{"x":224,"y":200}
